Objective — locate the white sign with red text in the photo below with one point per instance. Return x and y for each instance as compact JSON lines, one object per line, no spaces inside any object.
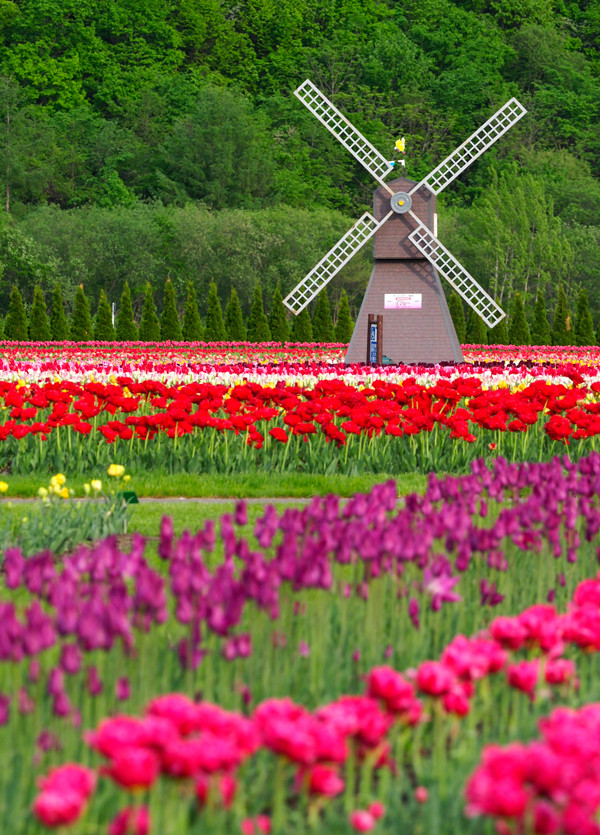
{"x":402,"y":301}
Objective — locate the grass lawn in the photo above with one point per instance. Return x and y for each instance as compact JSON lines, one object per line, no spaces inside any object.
{"x":198,"y":499}
{"x":146,"y":517}
{"x":248,"y":485}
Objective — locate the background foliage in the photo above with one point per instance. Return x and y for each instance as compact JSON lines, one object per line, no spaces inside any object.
{"x":152,"y":140}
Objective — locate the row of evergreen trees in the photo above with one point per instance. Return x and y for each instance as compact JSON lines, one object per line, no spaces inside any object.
{"x":38,"y":326}
{"x":516,"y":329}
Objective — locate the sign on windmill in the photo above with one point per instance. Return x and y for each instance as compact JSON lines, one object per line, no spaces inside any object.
{"x":404,"y":286}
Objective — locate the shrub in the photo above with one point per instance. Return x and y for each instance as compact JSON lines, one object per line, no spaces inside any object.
{"x":322,"y":322}
{"x":258,"y":324}
{"x":278,"y":324}
{"x":104,"y":330}
{"x":344,"y":325}
{"x":457,"y":311}
{"x":192,"y":324}
{"x":149,"y":324}
{"x":126,"y":328}
{"x":234,"y":320}
{"x":540,"y":327}
{"x":59,"y":327}
{"x":215,"y":326}
{"x":81,"y":323}
{"x":39,"y":326}
{"x":302,"y":330}
{"x":170,"y":326}
{"x":15,"y":327}
{"x":518,"y":329}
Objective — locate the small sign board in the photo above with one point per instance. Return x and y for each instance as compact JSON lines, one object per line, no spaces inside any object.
{"x":403,"y":301}
{"x":374,"y":339}
{"x":373,"y":343}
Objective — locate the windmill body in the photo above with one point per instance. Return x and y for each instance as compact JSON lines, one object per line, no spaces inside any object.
{"x":405,"y":288}
{"x":405,"y":283}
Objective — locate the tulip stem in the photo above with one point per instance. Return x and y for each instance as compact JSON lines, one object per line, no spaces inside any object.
{"x":279,"y":795}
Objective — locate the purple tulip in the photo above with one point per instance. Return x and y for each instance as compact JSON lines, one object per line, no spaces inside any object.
{"x":122,"y":689}
{"x":4,"y":709}
{"x":70,"y":659}
{"x":93,"y":682}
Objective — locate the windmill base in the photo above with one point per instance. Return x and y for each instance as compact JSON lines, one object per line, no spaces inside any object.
{"x":417,"y":326}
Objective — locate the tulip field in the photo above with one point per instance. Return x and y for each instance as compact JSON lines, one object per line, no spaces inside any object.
{"x":421,"y":664}
{"x":239,"y":409}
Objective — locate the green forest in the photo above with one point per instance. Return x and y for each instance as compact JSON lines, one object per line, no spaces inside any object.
{"x":154,"y":140}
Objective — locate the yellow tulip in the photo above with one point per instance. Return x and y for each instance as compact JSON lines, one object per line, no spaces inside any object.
{"x":42,"y":493}
{"x":116,"y":470}
{"x":86,"y":489}
{"x":96,"y":484}
{"x":3,"y":487}
{"x":126,"y":478}
{"x":64,"y":493}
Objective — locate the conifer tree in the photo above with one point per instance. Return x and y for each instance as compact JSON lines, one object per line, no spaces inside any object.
{"x":344,"y":325}
{"x":1,"y":328}
{"x":540,"y":328}
{"x":561,"y":324}
{"x":192,"y":324}
{"x":499,"y":334}
{"x":234,"y":320}
{"x":278,"y":324}
{"x":584,"y":326}
{"x":81,"y":322}
{"x":457,"y":312}
{"x":59,"y":327}
{"x":149,"y":323}
{"x":215,"y":326}
{"x":170,"y":326}
{"x":322,"y":322}
{"x":302,"y":327}
{"x":476,"y":330}
{"x":126,"y":328}
{"x":15,"y":327}
{"x":39,"y":326}
{"x":258,"y":324}
{"x":104,"y":330}
{"x":518,"y":329}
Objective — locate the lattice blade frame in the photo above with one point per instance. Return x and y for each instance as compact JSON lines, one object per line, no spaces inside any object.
{"x":344,"y":131}
{"x":461,"y":280}
{"x":483,"y":138}
{"x":339,"y":255}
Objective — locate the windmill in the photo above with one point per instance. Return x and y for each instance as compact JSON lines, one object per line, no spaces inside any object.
{"x":404,"y":285}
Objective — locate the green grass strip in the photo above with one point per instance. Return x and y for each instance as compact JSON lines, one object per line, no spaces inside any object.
{"x":217,"y":485}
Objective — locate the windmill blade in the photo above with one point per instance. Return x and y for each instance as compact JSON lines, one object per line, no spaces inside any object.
{"x":312,"y":284}
{"x":473,"y":147}
{"x":462,"y":281}
{"x":337,"y":124}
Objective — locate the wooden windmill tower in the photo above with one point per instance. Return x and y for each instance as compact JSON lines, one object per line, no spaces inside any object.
{"x":404,"y":286}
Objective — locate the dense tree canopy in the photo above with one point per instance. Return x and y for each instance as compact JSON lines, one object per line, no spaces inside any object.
{"x":123,"y":123}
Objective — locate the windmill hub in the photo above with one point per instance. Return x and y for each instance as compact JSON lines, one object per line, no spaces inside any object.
{"x":401,"y":202}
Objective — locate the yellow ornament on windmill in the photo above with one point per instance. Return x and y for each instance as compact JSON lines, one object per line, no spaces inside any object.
{"x":399,"y":146}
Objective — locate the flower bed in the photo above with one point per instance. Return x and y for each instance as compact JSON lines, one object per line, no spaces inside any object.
{"x":242,"y":616}
{"x":329,"y":425}
{"x":356,"y":746}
